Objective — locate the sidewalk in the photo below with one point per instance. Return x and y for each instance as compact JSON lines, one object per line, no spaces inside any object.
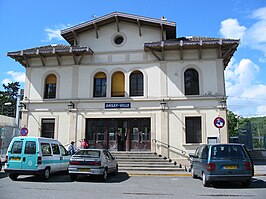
{"x":260,"y":168}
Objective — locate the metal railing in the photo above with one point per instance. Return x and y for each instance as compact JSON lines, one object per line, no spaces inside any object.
{"x":169,"y":146}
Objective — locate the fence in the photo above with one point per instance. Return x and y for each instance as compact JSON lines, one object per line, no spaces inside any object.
{"x":7,"y":133}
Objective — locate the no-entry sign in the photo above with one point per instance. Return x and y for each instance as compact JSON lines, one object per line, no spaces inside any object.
{"x":219,"y":122}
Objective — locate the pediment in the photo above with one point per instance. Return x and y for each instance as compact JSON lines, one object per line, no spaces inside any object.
{"x":71,"y":34}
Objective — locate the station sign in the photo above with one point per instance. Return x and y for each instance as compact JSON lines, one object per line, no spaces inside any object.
{"x":117,"y":105}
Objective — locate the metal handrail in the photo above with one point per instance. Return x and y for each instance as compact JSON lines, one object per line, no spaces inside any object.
{"x":169,"y":146}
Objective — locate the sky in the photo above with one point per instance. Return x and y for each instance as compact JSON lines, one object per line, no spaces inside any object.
{"x":30,"y":23}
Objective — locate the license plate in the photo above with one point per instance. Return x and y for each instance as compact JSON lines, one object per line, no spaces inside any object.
{"x":15,"y":159}
{"x":230,"y":167}
{"x":84,"y":170}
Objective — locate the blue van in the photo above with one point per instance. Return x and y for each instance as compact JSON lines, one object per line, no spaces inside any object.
{"x":35,"y":156}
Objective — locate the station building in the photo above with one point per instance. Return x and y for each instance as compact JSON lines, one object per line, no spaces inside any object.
{"x":126,"y":82}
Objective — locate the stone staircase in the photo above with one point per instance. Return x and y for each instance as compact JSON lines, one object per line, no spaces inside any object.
{"x":142,"y":162}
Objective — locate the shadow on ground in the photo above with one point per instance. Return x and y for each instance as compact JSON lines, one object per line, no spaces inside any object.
{"x":59,"y":177}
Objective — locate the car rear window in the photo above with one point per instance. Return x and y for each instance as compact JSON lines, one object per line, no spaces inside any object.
{"x":227,"y":152}
{"x":90,"y":153}
{"x":17,"y":147}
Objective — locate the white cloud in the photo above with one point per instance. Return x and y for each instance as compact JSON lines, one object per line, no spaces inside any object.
{"x":54,"y":33}
{"x":15,"y":77}
{"x":255,"y":35}
{"x":245,"y":95}
{"x":230,"y":28}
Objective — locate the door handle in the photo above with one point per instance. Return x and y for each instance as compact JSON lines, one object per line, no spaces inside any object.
{"x":61,"y":158}
{"x":24,"y":159}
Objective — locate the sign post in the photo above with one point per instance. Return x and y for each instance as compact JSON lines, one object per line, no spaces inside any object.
{"x":219,"y":123}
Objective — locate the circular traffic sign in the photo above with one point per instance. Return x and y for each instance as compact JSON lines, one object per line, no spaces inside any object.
{"x":24,"y":131}
{"x":219,"y":122}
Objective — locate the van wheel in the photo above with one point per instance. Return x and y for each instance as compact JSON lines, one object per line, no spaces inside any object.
{"x":205,"y":182}
{"x":104,"y":175}
{"x":46,"y":173}
{"x":245,"y":183}
{"x":13,"y":176}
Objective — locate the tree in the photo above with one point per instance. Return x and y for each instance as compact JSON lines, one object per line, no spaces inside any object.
{"x":9,"y":95}
{"x":232,"y":120}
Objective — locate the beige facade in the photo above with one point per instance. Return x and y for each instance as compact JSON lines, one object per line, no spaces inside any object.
{"x":148,"y":47}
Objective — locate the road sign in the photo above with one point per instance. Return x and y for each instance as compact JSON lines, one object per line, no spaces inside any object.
{"x":219,"y":122}
{"x":24,"y":131}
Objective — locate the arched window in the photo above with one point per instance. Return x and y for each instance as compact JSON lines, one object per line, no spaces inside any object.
{"x":191,"y":78}
{"x":118,"y":84}
{"x":99,"y":89}
{"x":136,"y":83}
{"x":50,"y":87}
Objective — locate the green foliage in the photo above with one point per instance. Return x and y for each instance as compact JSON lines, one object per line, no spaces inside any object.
{"x":257,"y":125}
{"x":232,"y":120}
{"x":9,"y":95}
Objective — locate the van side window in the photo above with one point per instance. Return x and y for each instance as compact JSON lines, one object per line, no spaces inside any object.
{"x":30,"y":147}
{"x":55,"y":148}
{"x":63,"y":150}
{"x":46,"y":149}
{"x":17,"y":147}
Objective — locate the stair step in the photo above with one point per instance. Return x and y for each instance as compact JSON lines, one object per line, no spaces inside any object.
{"x":149,"y":169}
{"x":144,"y":162}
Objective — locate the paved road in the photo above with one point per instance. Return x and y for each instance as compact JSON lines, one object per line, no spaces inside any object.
{"x":124,"y":186}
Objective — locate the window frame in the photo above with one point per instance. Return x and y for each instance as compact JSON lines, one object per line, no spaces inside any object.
{"x":100,"y":83}
{"x":50,"y":89}
{"x":191,"y":130}
{"x":136,"y":84}
{"x":191,"y":76}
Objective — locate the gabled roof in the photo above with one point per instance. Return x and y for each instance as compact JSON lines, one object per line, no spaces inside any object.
{"x":70,"y":33}
{"x":42,"y":52}
{"x":225,"y":47}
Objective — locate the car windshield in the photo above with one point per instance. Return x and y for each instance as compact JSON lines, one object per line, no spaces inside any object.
{"x":227,"y":152}
{"x":90,"y":153}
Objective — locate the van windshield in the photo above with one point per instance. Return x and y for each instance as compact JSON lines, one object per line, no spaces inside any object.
{"x":227,"y":152}
{"x":17,"y":147}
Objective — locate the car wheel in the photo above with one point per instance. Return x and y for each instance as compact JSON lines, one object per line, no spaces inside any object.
{"x":13,"y":176}
{"x":245,"y":183}
{"x":116,"y":170}
{"x":193,"y":173}
{"x":73,"y":177}
{"x":104,"y":175}
{"x":205,"y":182}
{"x":46,"y":173}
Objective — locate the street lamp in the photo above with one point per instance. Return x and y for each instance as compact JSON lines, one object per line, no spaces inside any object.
{"x":163,"y":105}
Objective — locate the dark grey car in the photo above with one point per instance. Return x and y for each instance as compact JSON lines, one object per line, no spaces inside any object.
{"x":222,"y":162}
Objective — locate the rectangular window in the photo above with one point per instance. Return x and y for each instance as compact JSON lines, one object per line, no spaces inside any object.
{"x":30,"y":147}
{"x":48,"y":128}
{"x":46,"y":149}
{"x":55,"y":148}
{"x":100,"y":87}
{"x":193,"y":130}
{"x":17,"y":147}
